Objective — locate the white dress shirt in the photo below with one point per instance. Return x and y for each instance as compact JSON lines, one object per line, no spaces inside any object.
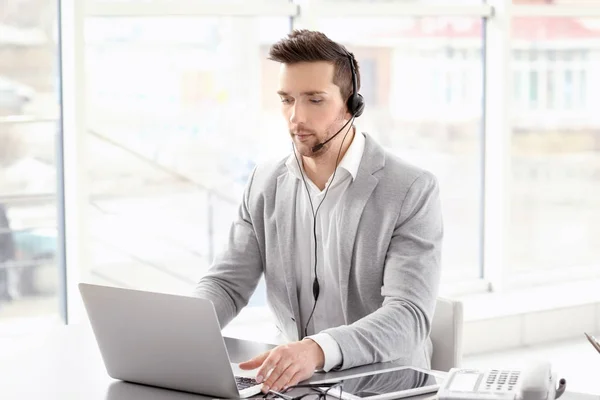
{"x":328,"y":312}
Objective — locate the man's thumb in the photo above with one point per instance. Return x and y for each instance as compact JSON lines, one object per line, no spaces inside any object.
{"x":254,"y":362}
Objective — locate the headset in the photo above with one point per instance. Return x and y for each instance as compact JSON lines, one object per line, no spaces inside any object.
{"x":355,"y":103}
{"x":356,"y":106}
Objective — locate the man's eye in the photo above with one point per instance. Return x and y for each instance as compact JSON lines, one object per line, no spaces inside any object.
{"x":286,"y":101}
{"x":315,"y":101}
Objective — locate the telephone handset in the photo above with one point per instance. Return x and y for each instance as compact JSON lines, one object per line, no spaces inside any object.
{"x":536,"y":382}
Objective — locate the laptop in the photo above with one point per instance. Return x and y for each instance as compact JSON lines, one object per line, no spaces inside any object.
{"x":163,"y":340}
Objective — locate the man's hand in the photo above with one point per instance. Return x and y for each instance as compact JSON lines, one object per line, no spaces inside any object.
{"x":289,"y":364}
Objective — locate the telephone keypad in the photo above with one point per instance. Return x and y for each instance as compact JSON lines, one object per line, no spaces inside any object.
{"x":501,"y":380}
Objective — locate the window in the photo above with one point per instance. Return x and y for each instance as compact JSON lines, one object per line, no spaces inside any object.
{"x":183,"y":107}
{"x":429,"y":84}
{"x":368,"y":77}
{"x":568,"y":89}
{"x":533,"y":90}
{"x":552,"y":78}
{"x":550,"y":90}
{"x":556,"y":157}
{"x":582,"y":92}
{"x":29,"y":112}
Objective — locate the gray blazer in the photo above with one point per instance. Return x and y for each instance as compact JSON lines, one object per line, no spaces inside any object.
{"x":389,"y":256}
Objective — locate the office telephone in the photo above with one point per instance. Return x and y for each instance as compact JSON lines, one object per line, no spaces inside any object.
{"x":536,"y":382}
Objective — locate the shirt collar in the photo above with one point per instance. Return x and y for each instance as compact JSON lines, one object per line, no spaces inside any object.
{"x":350,"y":162}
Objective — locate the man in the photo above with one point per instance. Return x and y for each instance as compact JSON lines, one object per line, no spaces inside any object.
{"x":347,"y":236}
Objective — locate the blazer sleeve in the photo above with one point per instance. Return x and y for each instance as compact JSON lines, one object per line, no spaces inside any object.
{"x":235,"y":272}
{"x":410,"y":284}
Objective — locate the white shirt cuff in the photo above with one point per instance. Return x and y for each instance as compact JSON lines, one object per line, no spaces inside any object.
{"x":331,"y":350}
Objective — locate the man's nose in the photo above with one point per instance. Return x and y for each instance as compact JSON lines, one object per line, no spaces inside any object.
{"x":298,"y":115}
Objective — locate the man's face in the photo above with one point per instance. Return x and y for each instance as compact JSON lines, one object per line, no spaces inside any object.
{"x":311,"y":104}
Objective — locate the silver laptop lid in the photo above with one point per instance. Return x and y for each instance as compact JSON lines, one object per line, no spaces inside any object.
{"x":160,"y":339}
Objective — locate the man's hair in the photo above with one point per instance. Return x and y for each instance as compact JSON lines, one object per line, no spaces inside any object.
{"x":311,"y":46}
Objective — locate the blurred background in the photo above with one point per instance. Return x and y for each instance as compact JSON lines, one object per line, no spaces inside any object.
{"x":179,"y":104}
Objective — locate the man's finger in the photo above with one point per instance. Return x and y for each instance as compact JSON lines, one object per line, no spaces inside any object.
{"x":294,"y":380}
{"x":283,"y":379}
{"x":279,"y":369}
{"x":268,"y":364}
{"x":254,"y":362}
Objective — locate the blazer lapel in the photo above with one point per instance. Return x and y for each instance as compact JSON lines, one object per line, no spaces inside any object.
{"x":285,"y":210}
{"x":354,"y":202}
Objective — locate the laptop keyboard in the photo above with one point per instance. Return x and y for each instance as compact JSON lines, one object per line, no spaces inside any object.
{"x":243,"y":382}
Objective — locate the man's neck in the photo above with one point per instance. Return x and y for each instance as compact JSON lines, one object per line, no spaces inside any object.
{"x":319,"y":169}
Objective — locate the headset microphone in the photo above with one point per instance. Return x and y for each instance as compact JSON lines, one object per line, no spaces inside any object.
{"x":320,"y":145}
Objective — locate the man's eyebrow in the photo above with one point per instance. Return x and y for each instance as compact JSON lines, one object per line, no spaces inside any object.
{"x":308,"y":93}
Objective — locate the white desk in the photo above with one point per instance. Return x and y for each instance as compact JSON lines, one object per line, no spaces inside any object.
{"x":67,"y":365}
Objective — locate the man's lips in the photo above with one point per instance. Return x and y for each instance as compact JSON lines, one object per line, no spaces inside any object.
{"x":303,"y":136}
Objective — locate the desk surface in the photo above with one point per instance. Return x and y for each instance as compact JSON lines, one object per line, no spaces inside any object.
{"x":67,"y":365}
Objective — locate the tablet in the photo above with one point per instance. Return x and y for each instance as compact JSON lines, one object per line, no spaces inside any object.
{"x":393,"y":383}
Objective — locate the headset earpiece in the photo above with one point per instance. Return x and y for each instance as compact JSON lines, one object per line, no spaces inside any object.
{"x":355,"y":103}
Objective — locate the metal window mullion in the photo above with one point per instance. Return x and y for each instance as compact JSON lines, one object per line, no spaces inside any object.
{"x":358,"y":9}
{"x":497,"y":145}
{"x":72,"y":167}
{"x":556,"y":10}
{"x":187,"y":8}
